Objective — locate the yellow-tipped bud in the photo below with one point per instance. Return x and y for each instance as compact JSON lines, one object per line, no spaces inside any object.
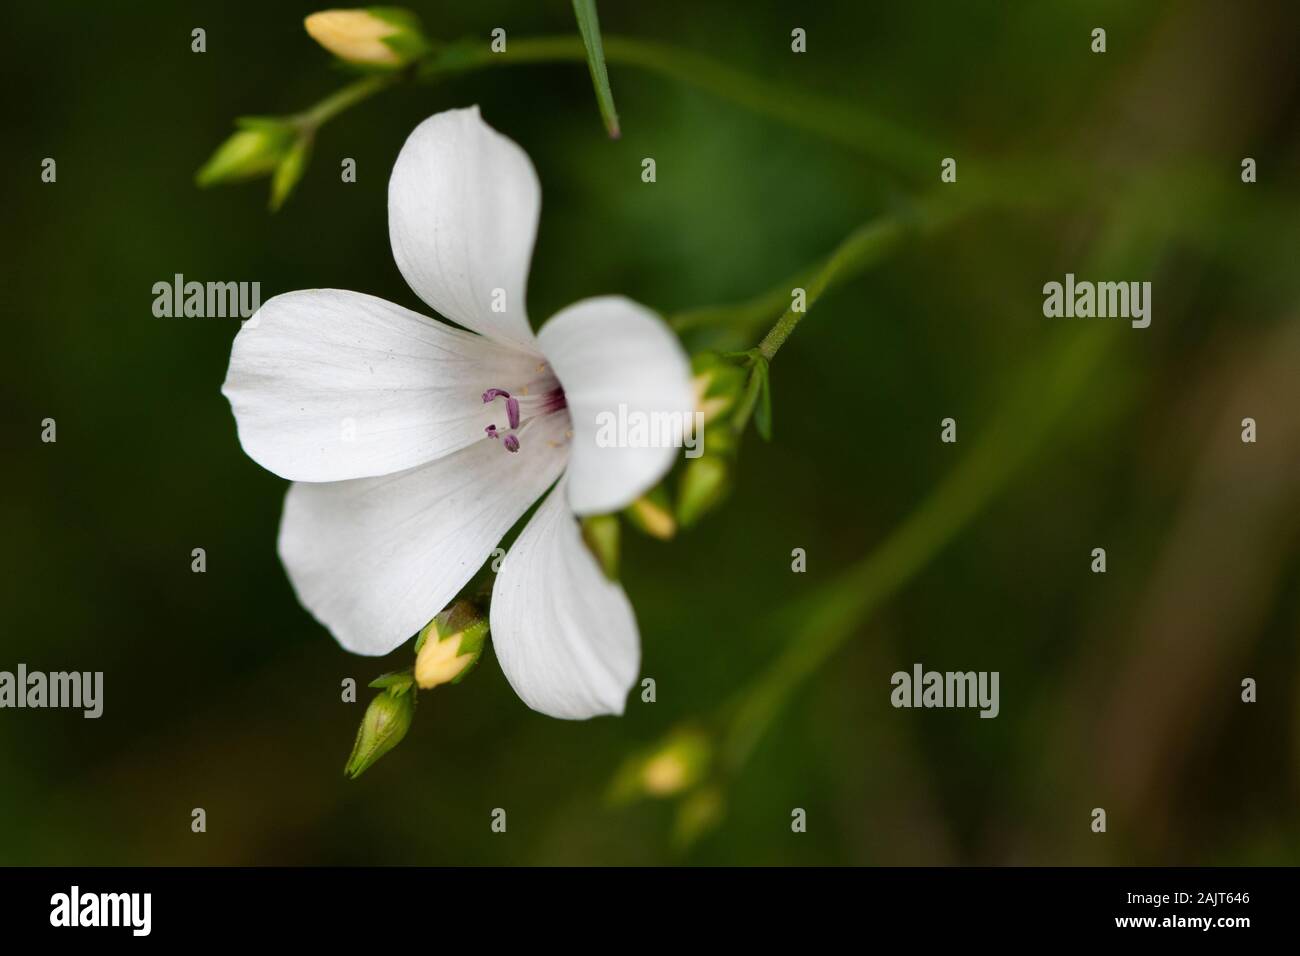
{"x":653,"y":515}
{"x":382,"y":37}
{"x":673,"y":767}
{"x":710,"y":405}
{"x":450,"y":645}
{"x":717,"y":385}
{"x":440,"y":662}
{"x":665,"y":774}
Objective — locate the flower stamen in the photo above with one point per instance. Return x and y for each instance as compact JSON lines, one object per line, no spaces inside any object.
{"x":530,"y":404}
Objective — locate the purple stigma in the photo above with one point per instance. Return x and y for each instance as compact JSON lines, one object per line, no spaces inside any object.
{"x":494,"y":393}
{"x":511,"y":443}
{"x":492,"y":431}
{"x":512,"y":411}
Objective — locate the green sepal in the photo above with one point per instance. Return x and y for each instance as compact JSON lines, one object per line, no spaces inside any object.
{"x":399,"y":17}
{"x":289,"y":171}
{"x":409,"y":43}
{"x":601,"y":535}
{"x":705,"y":483}
{"x":255,"y":149}
{"x":470,"y":666}
{"x":472,"y":639}
{"x":763,"y":410}
{"x":410,"y":48}
{"x":399,"y":682}
{"x":386,"y":721}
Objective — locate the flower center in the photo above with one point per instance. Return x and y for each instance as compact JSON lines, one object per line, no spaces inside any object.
{"x":532,"y":401}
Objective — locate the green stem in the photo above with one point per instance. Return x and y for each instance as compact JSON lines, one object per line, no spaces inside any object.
{"x":865,"y":245}
{"x":346,"y":97}
{"x":740,"y":316}
{"x":837,"y":121}
{"x":833,"y":119}
{"x":751,"y":396}
{"x":1046,"y":391}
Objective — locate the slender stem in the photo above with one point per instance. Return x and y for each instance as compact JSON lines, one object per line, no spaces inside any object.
{"x":836,"y":120}
{"x":740,"y":315}
{"x":749,"y":398}
{"x":346,"y":97}
{"x":865,"y":245}
{"x":840,"y":122}
{"x":1046,"y":391}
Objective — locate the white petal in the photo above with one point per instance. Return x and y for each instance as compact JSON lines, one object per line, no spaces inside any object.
{"x":618,"y":361}
{"x":463,"y":203}
{"x":329,"y":385}
{"x":564,"y":634}
{"x":376,"y":558}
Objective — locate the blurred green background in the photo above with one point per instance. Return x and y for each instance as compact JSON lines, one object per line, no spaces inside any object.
{"x":1119,"y":691}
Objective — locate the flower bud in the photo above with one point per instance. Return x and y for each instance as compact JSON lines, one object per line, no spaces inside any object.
{"x":705,"y":483}
{"x":385,"y":38}
{"x":289,"y":171}
{"x":259,"y":145}
{"x":601,"y":534}
{"x":450,"y":645}
{"x":717,"y":385}
{"x":698,"y":813}
{"x":653,"y":514}
{"x":676,"y":765}
{"x":386,"y":722}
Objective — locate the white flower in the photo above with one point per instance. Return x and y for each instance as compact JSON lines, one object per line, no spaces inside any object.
{"x":414,"y":446}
